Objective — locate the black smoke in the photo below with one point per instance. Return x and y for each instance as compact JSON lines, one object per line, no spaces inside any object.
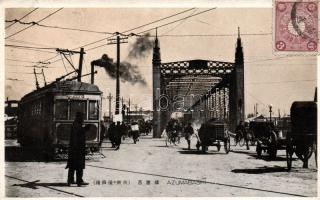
{"x":127,"y":72}
{"x":141,"y":48}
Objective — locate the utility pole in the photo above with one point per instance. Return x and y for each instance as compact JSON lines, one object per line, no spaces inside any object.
{"x":35,"y":75}
{"x":121,"y":102}
{"x":69,"y":52}
{"x":117,"y":41}
{"x":44,"y":78}
{"x":109,"y":97}
{"x":80,"y":64}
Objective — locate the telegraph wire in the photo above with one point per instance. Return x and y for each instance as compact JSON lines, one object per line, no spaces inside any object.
{"x":38,"y":50}
{"x":26,"y":42}
{"x":58,"y":27}
{"x":172,"y":22}
{"x":30,"y":47}
{"x":105,"y":38}
{"x":21,"y":18}
{"x":170,"y":16}
{"x":166,"y":24}
{"x":36,"y":66}
{"x":16,"y":60}
{"x":181,"y":22}
{"x":32,"y":24}
{"x":138,"y":27}
{"x":276,"y":82}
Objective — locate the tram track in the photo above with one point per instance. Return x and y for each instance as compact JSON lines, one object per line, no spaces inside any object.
{"x":34,"y":184}
{"x":200,"y":181}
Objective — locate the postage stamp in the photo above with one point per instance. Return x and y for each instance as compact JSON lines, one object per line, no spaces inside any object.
{"x":296,"y":26}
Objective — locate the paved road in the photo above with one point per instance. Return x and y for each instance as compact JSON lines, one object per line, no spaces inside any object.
{"x":151,"y":169}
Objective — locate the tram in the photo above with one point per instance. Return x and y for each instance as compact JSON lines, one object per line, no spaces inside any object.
{"x":46,"y":115}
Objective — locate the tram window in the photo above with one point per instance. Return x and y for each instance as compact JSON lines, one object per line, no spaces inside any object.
{"x":93,"y":110}
{"x":78,"y":106}
{"x":61,"y":109}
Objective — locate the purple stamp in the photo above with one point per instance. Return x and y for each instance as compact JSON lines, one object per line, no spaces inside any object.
{"x":296,"y":26}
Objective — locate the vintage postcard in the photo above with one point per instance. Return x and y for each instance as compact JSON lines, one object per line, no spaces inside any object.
{"x":166,"y":100}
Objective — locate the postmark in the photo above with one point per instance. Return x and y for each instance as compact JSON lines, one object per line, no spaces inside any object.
{"x":296,"y":26}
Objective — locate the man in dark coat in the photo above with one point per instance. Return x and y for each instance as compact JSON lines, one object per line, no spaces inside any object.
{"x":111,"y":132}
{"x":118,"y":135}
{"x":77,"y":150}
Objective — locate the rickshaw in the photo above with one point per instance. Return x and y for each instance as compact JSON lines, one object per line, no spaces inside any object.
{"x":302,"y":140}
{"x":213,"y":133}
{"x":268,"y":138}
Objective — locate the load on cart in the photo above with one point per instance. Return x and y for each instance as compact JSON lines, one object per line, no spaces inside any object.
{"x":213,"y":133}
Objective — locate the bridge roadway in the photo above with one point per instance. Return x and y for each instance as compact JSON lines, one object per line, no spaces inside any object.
{"x":151,"y":169}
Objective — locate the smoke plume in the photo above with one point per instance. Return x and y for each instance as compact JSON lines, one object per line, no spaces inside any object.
{"x":141,"y":48}
{"x":127,"y":71}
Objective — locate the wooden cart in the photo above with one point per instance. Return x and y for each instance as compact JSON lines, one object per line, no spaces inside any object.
{"x":302,"y":140}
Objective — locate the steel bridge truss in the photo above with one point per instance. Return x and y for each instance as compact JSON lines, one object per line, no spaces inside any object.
{"x":198,"y":86}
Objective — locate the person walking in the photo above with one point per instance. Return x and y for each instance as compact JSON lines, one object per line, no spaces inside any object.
{"x":188,"y":131}
{"x":111,"y":132}
{"x":77,"y":151}
{"x":241,"y":130}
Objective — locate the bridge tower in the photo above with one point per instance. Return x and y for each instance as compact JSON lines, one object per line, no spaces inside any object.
{"x":156,"y":64}
{"x":237,"y":103}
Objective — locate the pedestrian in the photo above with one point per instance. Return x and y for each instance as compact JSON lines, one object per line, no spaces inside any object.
{"x":135,"y":132}
{"x":242,"y":129}
{"x":188,"y":131}
{"x":111,"y":133}
{"x":77,"y":151}
{"x":178,"y":129}
{"x":118,"y":135}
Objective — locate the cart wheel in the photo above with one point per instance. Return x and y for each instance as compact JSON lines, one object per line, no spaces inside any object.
{"x":227,"y":145}
{"x":204,"y":149}
{"x":289,"y":153}
{"x":259,"y":150}
{"x":304,"y":153}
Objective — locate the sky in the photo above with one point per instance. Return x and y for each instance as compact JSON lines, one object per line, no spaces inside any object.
{"x":269,"y":78}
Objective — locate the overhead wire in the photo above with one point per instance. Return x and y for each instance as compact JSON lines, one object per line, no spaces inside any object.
{"x":175,"y":21}
{"x":131,"y":29}
{"x":21,"y":18}
{"x":166,"y":24}
{"x":16,"y":60}
{"x":58,"y":27}
{"x":46,"y":17}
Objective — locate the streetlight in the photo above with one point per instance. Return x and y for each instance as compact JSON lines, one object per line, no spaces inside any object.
{"x":270,"y":111}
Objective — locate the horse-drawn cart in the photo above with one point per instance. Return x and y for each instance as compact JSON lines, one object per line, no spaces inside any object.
{"x":213,"y":133}
{"x":302,"y":140}
{"x":268,"y":138}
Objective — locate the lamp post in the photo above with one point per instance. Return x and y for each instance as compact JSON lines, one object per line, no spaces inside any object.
{"x":270,"y":111}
